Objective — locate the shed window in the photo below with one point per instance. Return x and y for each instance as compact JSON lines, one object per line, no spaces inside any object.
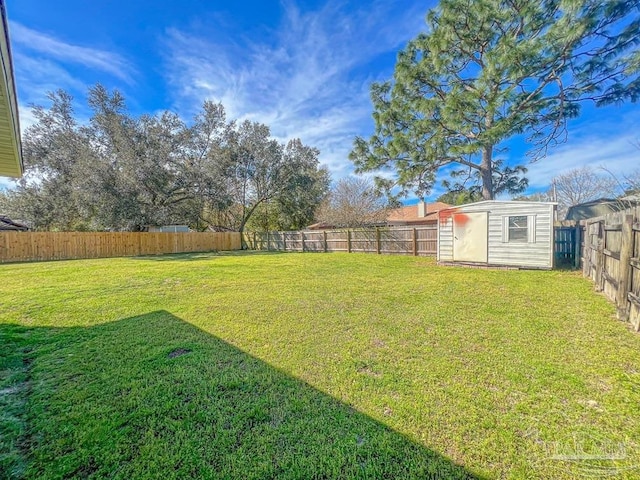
{"x":518,"y":229}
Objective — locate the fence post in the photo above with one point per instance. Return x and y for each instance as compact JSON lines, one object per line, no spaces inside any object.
{"x":302,"y":237}
{"x":624,"y":281}
{"x":378,"y":240}
{"x":348,"y":241}
{"x":284,"y":241}
{"x":268,"y":242}
{"x":325,"y":240}
{"x":602,"y":236}
{"x":4,"y":249}
{"x":586,"y":252}
{"x":415,"y":242}
{"x":576,"y":246}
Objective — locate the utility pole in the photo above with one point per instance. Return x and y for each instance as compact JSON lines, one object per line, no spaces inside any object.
{"x":555,"y":199}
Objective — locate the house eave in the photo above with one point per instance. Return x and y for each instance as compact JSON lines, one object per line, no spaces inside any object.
{"x":11,"y":163}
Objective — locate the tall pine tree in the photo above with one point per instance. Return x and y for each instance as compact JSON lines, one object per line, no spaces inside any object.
{"x":487,"y":70}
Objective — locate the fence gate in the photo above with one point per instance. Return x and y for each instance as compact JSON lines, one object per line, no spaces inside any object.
{"x":567,"y":246}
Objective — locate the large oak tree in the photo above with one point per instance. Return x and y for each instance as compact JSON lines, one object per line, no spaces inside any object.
{"x":119,"y":171}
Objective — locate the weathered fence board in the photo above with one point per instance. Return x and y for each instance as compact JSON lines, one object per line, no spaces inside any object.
{"x":31,"y":246}
{"x":393,"y":240}
{"x":611,"y":259}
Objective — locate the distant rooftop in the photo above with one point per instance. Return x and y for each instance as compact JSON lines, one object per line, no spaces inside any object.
{"x":420,"y":213}
{"x":600,"y":207}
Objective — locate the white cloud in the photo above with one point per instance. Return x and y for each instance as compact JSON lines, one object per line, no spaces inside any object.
{"x":53,"y":48}
{"x":6,"y":183}
{"x":304,"y":80}
{"x":618,"y":154}
{"x":26,"y":117}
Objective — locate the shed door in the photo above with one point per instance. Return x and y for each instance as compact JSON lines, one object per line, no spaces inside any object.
{"x":470,"y":237}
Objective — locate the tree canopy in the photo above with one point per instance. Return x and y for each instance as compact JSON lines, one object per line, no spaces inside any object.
{"x":353,"y":202}
{"x":487,"y":70}
{"x":581,"y":185}
{"x":122,"y":172}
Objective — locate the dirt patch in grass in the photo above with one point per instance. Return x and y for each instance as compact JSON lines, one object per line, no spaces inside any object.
{"x":178,"y":352}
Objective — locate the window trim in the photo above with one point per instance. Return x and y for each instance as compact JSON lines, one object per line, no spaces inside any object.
{"x":530,"y":230}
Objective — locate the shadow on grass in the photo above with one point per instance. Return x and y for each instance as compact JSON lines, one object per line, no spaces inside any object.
{"x":155,"y":397}
{"x":206,"y":255}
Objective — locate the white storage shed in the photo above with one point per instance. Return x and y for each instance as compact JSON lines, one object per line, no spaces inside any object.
{"x":498,"y":233}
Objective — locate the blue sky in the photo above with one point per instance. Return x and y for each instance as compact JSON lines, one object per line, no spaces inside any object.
{"x":303,"y":68}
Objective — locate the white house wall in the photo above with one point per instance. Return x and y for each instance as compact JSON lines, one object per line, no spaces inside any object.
{"x":537,"y":252}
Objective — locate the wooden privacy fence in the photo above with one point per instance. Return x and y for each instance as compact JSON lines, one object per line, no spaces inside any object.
{"x":30,"y":246}
{"x":611,"y":258}
{"x":392,"y":240}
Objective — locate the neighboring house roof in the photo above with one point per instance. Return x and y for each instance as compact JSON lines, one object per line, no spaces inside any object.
{"x":597,"y":208}
{"x":11,"y":164}
{"x":319,"y":226}
{"x":167,"y":228}
{"x":419,"y":214}
{"x":7,"y":224}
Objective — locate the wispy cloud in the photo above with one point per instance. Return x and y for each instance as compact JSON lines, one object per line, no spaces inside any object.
{"x":44,"y":64}
{"x":607,"y":154}
{"x":37,"y":76}
{"x":53,"y":48}
{"x":307,"y":79}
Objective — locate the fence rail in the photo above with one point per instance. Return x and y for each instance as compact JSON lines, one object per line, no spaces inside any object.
{"x":30,"y":246}
{"x":611,"y":259}
{"x":394,"y":240}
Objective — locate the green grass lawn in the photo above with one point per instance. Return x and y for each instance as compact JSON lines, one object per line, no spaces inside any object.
{"x":311,"y":366}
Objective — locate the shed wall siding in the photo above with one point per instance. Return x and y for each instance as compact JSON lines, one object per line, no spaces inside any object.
{"x":501,"y":252}
{"x":445,"y":240}
{"x":536,"y":254}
